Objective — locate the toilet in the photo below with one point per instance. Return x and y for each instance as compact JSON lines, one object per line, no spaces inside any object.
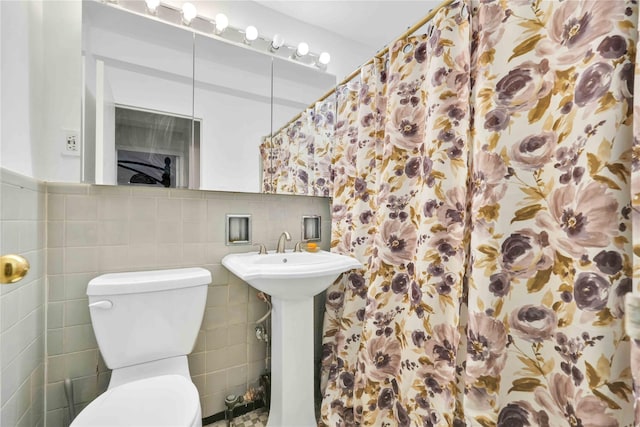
{"x":145,"y":324}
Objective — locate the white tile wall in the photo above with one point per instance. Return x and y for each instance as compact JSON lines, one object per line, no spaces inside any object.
{"x":94,"y":230}
{"x":22,"y":224}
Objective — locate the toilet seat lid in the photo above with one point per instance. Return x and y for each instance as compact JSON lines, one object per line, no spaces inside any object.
{"x":167,"y":400}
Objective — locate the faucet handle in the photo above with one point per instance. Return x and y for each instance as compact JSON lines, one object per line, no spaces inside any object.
{"x":263,"y":248}
{"x":298,"y":247}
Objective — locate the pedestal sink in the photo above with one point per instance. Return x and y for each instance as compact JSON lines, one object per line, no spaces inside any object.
{"x":292,"y":279}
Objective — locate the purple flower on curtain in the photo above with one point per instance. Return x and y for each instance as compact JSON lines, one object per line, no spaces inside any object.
{"x":608,"y":262}
{"x":452,"y":212}
{"x":360,"y":188}
{"x":575,"y":25}
{"x":416,"y":294}
{"x":458,"y":77}
{"x":427,"y":166}
{"x":525,"y":252}
{"x":429,"y":208}
{"x":402,"y":416}
{"x":346,"y":381}
{"x":335,"y":299}
{"x":514,"y":415}
{"x":405,"y":128}
{"x":438,"y":76}
{"x":533,"y":323}
{"x":421,"y":52}
{"x":386,"y":398}
{"x":446,"y":243}
{"x":488,"y":177}
{"x":534,"y":151}
{"x":381,"y":358}
{"x":500,"y":284}
{"x":566,"y":160}
{"x":396,"y":242}
{"x":303,"y":176}
{"x":338,"y":212}
{"x":356,"y":282}
{"x":412,"y":167}
{"x":579,"y":218}
{"x":444,"y":287}
{"x":612,"y":47}
{"x":563,"y":402}
{"x":627,"y":76}
{"x":591,"y":291}
{"x":434,"y":42}
{"x":486,"y":346}
{"x":491,"y":17}
{"x":623,"y":288}
{"x":496,"y":120}
{"x":418,"y":338}
{"x":593,"y":83}
{"x":440,"y":351}
{"x":523,"y":86}
{"x":435,"y":269}
{"x":400,"y":283}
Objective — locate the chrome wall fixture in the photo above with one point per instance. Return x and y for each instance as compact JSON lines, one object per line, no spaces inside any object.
{"x":218,"y":27}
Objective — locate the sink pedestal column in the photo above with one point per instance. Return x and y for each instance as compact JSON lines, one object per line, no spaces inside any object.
{"x":292,"y":370}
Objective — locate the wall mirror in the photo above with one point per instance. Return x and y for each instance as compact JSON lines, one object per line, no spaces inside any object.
{"x":232,"y":99}
{"x":165,"y":105}
{"x":138,"y":100}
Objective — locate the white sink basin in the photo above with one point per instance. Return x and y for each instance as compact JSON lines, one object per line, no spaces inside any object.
{"x":289,"y":275}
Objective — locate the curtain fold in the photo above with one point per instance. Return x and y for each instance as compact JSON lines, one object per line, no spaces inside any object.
{"x":391,"y":331}
{"x":483,"y":173}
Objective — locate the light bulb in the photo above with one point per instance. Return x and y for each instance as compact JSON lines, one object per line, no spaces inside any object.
{"x":222,"y":22}
{"x":250,"y":34}
{"x":324,"y":58}
{"x":302,"y":49}
{"x":188,"y":13}
{"x":152,"y":6}
{"x":277,"y":42}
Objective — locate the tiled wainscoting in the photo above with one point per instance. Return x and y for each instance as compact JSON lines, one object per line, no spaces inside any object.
{"x":22,"y":205}
{"x":93,"y":230}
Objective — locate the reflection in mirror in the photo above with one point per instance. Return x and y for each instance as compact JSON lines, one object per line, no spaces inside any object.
{"x":138,"y":101}
{"x":303,"y":126}
{"x":153,"y":148}
{"x":233,"y":103}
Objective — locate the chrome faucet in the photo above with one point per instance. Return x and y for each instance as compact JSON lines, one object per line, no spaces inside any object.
{"x":280,"y":247}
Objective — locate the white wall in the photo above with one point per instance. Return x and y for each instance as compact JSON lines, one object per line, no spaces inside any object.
{"x":41,"y":83}
{"x":62,"y":92}
{"x":21,"y":48}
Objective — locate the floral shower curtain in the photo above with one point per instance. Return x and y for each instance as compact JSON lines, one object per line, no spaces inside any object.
{"x":482,"y":176}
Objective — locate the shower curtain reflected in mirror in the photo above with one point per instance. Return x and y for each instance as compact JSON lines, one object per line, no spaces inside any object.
{"x":482,"y":175}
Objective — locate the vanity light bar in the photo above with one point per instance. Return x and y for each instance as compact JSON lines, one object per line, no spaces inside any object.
{"x":219,"y":27}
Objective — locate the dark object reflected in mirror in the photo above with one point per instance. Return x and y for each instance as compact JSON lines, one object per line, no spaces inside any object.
{"x":144,"y":168}
{"x":155,"y":149}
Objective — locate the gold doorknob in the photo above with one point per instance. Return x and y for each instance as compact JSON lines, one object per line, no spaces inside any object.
{"x":13,"y":268}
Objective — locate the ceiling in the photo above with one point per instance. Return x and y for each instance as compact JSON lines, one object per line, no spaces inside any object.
{"x":370,"y":22}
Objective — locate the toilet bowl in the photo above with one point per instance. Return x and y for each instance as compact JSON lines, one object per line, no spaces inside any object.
{"x":162,"y":401}
{"x":145,"y":324}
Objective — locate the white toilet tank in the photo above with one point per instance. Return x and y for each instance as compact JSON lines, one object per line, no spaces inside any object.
{"x":148,"y":315}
